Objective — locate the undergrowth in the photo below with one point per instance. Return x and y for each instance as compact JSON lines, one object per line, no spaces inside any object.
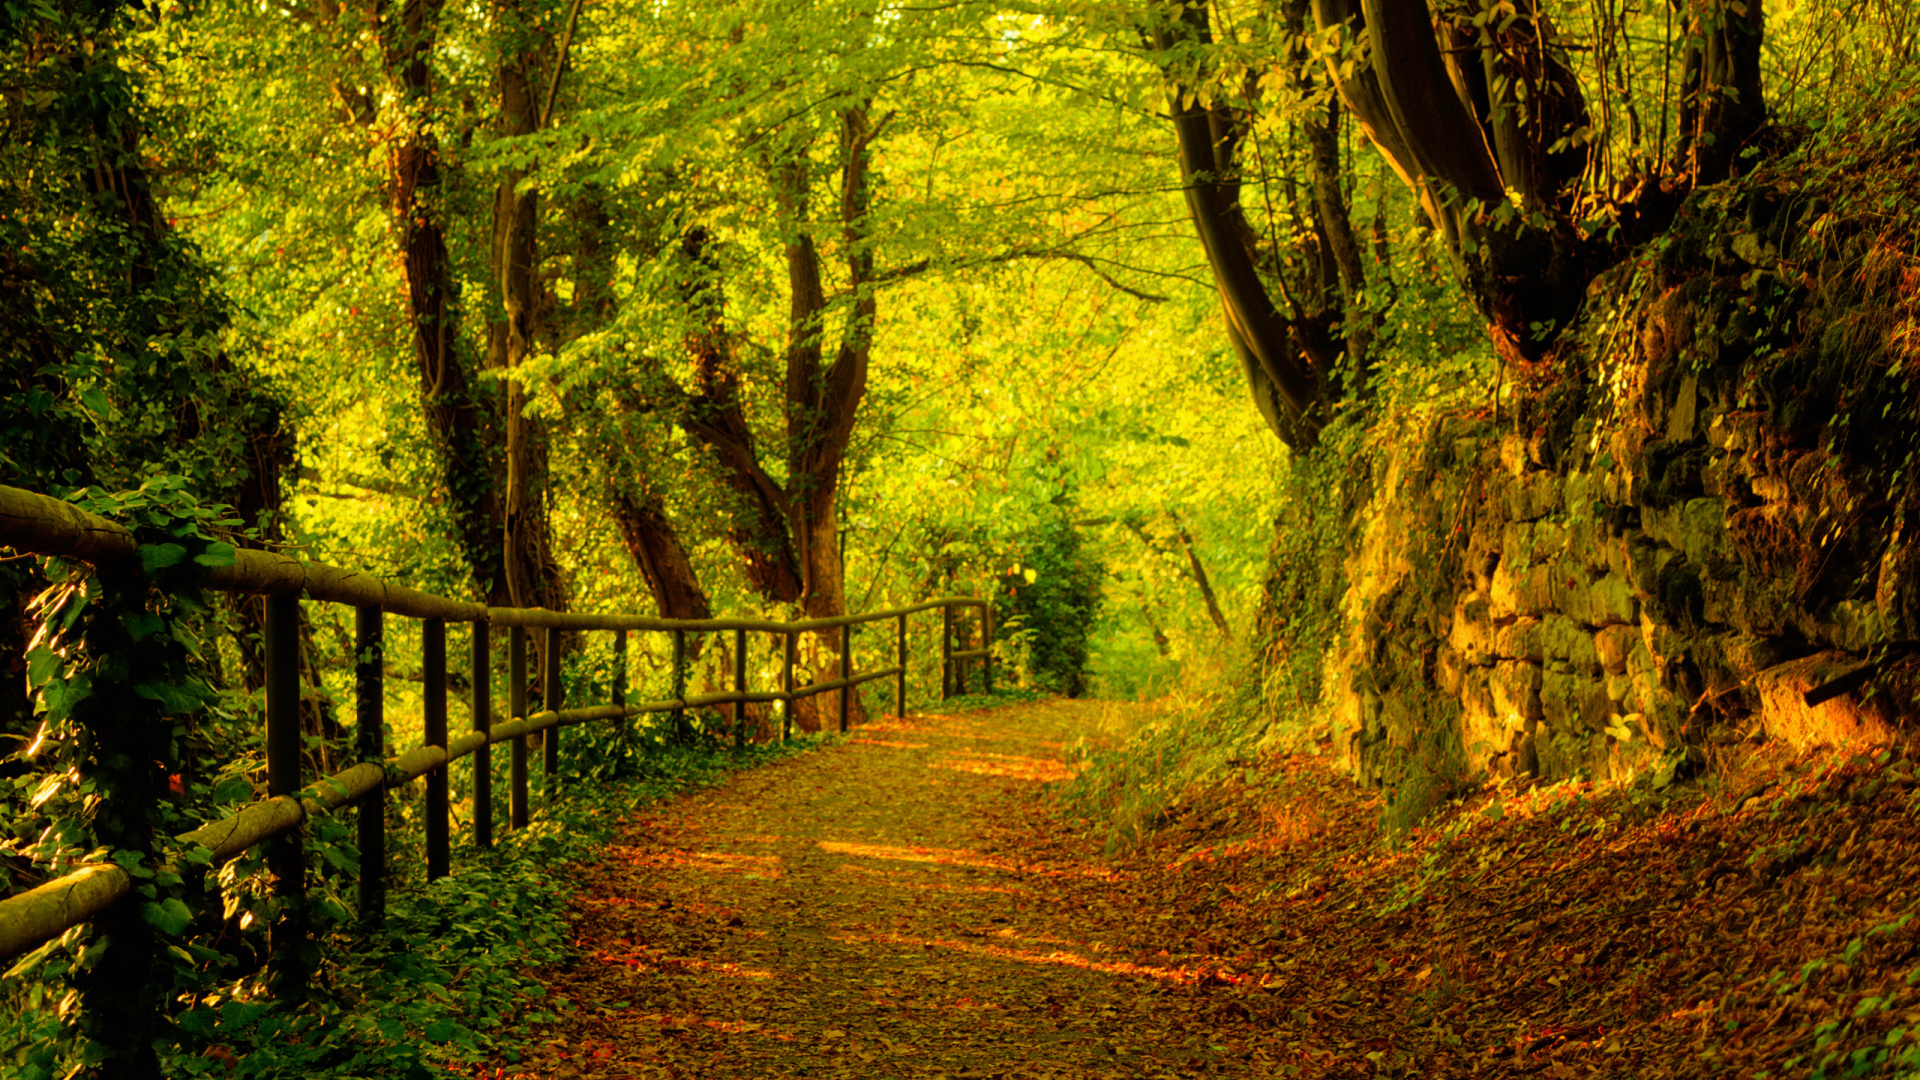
{"x":446,"y":981}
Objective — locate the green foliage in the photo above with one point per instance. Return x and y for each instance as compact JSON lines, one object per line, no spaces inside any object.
{"x":1047,"y":606}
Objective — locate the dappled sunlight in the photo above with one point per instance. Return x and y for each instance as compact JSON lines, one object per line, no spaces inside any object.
{"x":919,"y":882}
{"x":945,"y":857}
{"x":863,"y":741}
{"x":1054,"y":958}
{"x":1039,"y":770}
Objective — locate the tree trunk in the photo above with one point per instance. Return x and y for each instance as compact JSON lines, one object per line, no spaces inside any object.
{"x":656,"y":549}
{"x":448,"y":399}
{"x":532,"y":573}
{"x":1723,"y":103}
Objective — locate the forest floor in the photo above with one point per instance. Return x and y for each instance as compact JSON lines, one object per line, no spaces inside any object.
{"x":915,"y":903}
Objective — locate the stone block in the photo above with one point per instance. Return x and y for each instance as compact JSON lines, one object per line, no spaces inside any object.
{"x":1623,"y":694}
{"x":1611,"y":602}
{"x":1534,"y":496}
{"x":1513,"y":455}
{"x":1596,"y":707}
{"x":1611,"y":644}
{"x":1847,"y":720}
{"x":1471,"y":635}
{"x":1518,"y":640}
{"x":1526,"y":591}
{"x":1644,"y":561}
{"x":1662,"y":642}
{"x":1515,"y":686}
{"x":1560,"y":700}
{"x":1563,"y":639}
{"x":1682,"y":415}
{"x":1701,"y":530}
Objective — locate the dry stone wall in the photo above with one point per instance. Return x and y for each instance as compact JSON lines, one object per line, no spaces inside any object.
{"x":1660,"y":560}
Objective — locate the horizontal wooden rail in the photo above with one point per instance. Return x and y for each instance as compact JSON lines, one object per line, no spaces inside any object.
{"x":38,"y":524}
{"x":42,"y":525}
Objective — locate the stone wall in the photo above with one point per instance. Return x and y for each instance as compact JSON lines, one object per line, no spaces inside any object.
{"x":1668,"y":545}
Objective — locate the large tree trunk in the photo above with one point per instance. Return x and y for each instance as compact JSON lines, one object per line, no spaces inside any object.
{"x":448,"y":398}
{"x":656,"y":549}
{"x":532,"y":573}
{"x":1723,"y":104}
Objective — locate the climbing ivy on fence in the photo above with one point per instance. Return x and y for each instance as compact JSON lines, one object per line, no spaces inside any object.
{"x":117,"y":669}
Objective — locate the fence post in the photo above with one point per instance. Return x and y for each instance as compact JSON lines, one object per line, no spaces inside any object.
{"x":550,"y":682}
{"x":946,"y":651}
{"x":900,"y":679}
{"x":786,"y":687}
{"x":482,"y":721}
{"x":620,"y":668}
{"x":846,"y":673}
{"x":433,"y":661}
{"x":287,"y":857}
{"x":682,"y":734}
{"x":517,"y":705}
{"x":740,"y":687}
{"x":369,"y":739}
{"x":986,"y":643}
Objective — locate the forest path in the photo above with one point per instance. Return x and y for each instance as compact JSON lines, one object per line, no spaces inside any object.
{"x":900,"y":905}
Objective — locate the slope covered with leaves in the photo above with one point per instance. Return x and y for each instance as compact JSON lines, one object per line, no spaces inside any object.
{"x":916,"y":903}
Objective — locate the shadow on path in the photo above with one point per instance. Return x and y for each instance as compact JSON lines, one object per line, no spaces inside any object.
{"x":884,"y":908}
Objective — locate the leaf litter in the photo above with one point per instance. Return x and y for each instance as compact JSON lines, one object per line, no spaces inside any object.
{"x":889,"y":908}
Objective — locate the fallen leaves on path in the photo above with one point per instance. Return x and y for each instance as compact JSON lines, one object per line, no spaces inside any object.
{"x":890,"y":907}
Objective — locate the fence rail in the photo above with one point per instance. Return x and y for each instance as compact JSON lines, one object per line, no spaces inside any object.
{"x":37,"y":524}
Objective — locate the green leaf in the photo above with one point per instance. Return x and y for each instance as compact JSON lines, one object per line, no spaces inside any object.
{"x":160,"y":556}
{"x":95,"y":399}
{"x":42,"y":664}
{"x":174,"y":699}
{"x":217,"y":554}
{"x":169,"y":916}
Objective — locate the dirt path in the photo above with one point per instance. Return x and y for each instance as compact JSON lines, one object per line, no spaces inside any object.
{"x":878,"y":909}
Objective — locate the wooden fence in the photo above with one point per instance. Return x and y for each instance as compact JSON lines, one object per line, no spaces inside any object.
{"x":37,"y":524}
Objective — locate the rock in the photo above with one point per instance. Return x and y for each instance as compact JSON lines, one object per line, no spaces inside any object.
{"x":1515,"y":686}
{"x":1526,"y":591}
{"x":1702,"y":530}
{"x":1680,"y":417}
{"x":1513,"y":455}
{"x":1644,"y":561}
{"x":1518,"y":640}
{"x":1471,"y":634}
{"x":1611,"y":644}
{"x":1610,"y":602}
{"x":1563,"y":639}
{"x":1847,"y":720}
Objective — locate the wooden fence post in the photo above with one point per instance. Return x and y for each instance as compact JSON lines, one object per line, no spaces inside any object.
{"x":517,"y":705}
{"x":482,"y":721}
{"x":369,"y":743}
{"x":946,"y":651}
{"x":986,"y":642}
{"x":620,"y":686}
{"x":900,"y":679}
{"x":433,"y":662}
{"x":846,"y":673}
{"x":740,"y":687}
{"x":786,"y":686}
{"x":287,"y":857}
{"x":682,"y":731}
{"x":620,"y":667}
{"x":550,"y":682}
